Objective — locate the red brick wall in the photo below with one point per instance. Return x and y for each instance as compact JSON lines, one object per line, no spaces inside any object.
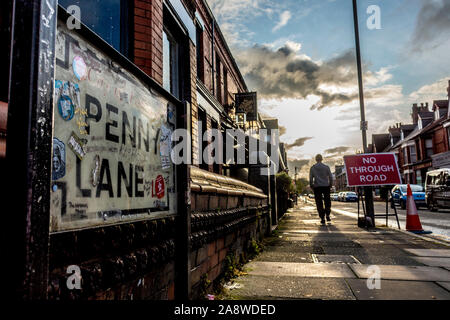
{"x":439,"y":141}
{"x":148,"y":27}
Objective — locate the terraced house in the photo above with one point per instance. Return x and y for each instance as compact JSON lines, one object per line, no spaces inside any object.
{"x":88,"y":115}
{"x":422,"y":145}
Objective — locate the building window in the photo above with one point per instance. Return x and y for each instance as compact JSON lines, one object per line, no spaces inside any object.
{"x":199,"y":48}
{"x":170,"y":64}
{"x":215,"y":125}
{"x":405,"y":156}
{"x":202,"y":144}
{"x":225,"y":86}
{"x":429,"y":147}
{"x":419,"y":177}
{"x":412,"y":154}
{"x":218,"y":80}
{"x":109,"y":19}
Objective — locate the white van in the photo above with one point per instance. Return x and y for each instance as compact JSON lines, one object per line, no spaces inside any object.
{"x":437,"y":189}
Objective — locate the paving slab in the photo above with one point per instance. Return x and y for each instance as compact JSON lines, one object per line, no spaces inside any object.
{"x":445,"y":285}
{"x":411,"y":273}
{"x":383,"y":259}
{"x":321,"y":270}
{"x":334,"y":258}
{"x":398,"y":290}
{"x":285,"y":287}
{"x":273,"y":256}
{"x":430,"y":252}
{"x":326,"y":231}
{"x":434,"y":261}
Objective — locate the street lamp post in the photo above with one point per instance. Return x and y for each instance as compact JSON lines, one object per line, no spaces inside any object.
{"x":367,"y":190}
{"x":296,"y":188}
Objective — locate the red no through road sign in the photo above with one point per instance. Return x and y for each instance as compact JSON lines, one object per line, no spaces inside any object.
{"x":372,"y":169}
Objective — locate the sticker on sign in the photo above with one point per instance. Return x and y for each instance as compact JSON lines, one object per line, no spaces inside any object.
{"x":372,"y":169}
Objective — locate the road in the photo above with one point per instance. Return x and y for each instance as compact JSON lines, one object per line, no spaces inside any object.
{"x":437,"y":222}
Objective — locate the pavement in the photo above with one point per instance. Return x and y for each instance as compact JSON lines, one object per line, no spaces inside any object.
{"x":339,"y":261}
{"x":437,"y":222}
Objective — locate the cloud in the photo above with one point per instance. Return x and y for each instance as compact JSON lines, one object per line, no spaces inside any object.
{"x":432,"y":26}
{"x":284,"y":73}
{"x":337,"y":150}
{"x":298,"y":143}
{"x":299,"y":163}
{"x":285,"y":16}
{"x":430,"y":92}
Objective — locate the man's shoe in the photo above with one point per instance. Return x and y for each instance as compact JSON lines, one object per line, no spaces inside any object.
{"x":328,"y":218}
{"x":322,"y":221}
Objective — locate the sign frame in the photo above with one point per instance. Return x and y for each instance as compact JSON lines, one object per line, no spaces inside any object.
{"x":119,"y":61}
{"x":373,"y":184}
{"x":251,"y":115}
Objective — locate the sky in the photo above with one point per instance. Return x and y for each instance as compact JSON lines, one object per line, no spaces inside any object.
{"x":299,"y":55}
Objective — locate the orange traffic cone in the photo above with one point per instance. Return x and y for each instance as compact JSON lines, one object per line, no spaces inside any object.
{"x":412,"y":217}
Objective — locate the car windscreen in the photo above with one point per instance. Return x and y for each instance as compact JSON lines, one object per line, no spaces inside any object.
{"x":414,"y":188}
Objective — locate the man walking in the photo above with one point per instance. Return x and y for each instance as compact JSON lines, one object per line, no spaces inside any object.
{"x":320,"y":180}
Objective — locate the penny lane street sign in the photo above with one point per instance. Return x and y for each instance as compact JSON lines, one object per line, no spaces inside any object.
{"x":111,"y":141}
{"x":372,"y":170}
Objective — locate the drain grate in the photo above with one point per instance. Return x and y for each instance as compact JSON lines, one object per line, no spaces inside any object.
{"x":334,"y":258}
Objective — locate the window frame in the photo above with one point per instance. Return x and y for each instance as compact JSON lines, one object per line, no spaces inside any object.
{"x":126,"y":23}
{"x":174,"y":63}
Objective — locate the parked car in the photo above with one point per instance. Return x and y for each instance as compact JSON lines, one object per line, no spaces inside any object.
{"x":350,"y":196}
{"x":437,"y":189}
{"x":334,"y":197}
{"x":399,"y":195}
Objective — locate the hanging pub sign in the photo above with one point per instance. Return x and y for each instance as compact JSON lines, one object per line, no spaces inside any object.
{"x":247,"y":103}
{"x":111,"y":141}
{"x":373,"y":169}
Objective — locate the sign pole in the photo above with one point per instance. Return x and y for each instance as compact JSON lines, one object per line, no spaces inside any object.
{"x":29,"y":147}
{"x":367,"y":190}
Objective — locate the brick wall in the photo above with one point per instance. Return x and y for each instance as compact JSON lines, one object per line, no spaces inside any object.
{"x":148,"y":27}
{"x":222,"y":225}
{"x":128,"y":261}
{"x":439,"y":141}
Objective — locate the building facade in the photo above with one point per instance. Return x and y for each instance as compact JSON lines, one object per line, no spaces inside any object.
{"x":423,"y":145}
{"x":167,"y":51}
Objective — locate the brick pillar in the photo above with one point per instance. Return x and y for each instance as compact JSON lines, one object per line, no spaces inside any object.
{"x":191,"y":93}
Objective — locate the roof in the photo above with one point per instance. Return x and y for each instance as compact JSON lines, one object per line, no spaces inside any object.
{"x":426,"y":129}
{"x":440,"y":103}
{"x":381,"y":141}
{"x":426,"y":115}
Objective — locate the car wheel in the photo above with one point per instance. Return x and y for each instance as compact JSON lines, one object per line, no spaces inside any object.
{"x":434,"y":207}
{"x":403,"y":205}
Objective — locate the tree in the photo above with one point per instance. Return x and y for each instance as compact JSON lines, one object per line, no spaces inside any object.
{"x":302,"y":185}
{"x":284,"y":182}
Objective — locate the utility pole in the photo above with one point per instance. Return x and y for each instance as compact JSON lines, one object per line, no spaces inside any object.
{"x":296,"y":189}
{"x":367,"y":190}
